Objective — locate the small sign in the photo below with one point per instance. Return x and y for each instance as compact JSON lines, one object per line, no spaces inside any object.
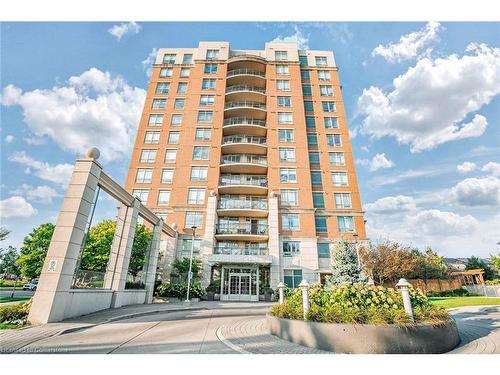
{"x":52,"y":266}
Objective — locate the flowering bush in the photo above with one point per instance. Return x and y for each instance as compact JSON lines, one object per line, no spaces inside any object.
{"x":178,"y":290}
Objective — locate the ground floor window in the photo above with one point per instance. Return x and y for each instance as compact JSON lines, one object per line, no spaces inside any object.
{"x":292,"y":278}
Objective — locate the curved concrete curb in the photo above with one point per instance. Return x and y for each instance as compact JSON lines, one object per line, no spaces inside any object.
{"x":368,"y":338}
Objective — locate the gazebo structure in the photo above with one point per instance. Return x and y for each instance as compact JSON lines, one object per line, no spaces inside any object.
{"x":470,"y":277}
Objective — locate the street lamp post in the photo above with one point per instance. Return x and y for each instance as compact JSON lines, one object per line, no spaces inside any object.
{"x":355,"y":235}
{"x":190,"y":273}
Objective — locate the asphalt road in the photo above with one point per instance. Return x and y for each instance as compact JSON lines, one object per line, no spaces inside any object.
{"x":18,"y":293}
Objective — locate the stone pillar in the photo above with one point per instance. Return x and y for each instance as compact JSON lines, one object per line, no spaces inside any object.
{"x":51,"y":297}
{"x":152,"y":261}
{"x":274,"y":241}
{"x":208,"y":240}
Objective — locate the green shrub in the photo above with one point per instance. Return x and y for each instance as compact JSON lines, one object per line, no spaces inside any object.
{"x":460,"y":292}
{"x":15,"y":314}
{"x":178,"y":290}
{"x":492,"y":282}
{"x":135,"y":285}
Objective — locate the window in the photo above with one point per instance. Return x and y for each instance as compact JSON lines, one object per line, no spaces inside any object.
{"x":326,"y":90}
{"x":148,"y":156}
{"x":187,"y":59}
{"x":185,"y":72}
{"x":210,"y":69}
{"x":281,"y":69}
{"x":313,"y":158}
{"x":196,"y":196}
{"x":346,"y":224}
{"x":290,"y":222}
{"x":312,"y":139}
{"x":342,"y":200}
{"x":324,"y":75}
{"x":193,"y":219}
{"x":308,"y":106}
{"x":328,"y":106}
{"x":316,"y":179}
{"x":208,"y":84}
{"x":289,"y":197}
{"x":333,"y":140}
{"x":331,"y":122}
{"x":339,"y":178}
{"x":152,"y":137}
{"x":304,"y":75}
{"x":205,"y":116}
{"x":287,"y":154}
{"x":179,"y":103}
{"x":291,"y":248}
{"x":155,"y":120}
{"x":286,"y":135}
{"x":159,"y":103}
{"x":306,"y":90}
{"x":201,"y":152}
{"x":199,"y":173}
{"x":310,"y":122}
{"x":162,"y":88}
{"x":321,"y":61}
{"x":173,"y":137}
{"x":285,"y":118}
{"x":182,"y":87}
{"x":207,"y":100}
{"x":323,"y":250}
{"x":142,"y":194}
{"x":288,"y":175}
{"x":321,"y":224}
{"x":202,"y":134}
{"x":169,"y":58}
{"x":303,"y":60}
{"x":283,"y":84}
{"x":167,"y":176}
{"x":280,"y":55}
{"x":284,"y":101}
{"x":336,"y":158}
{"x":176,"y":120}
{"x":292,"y":278}
{"x":144,"y":175}
{"x":318,"y":200}
{"x":170,"y":156}
{"x":166,"y":72}
{"x":187,"y":245}
{"x":212,"y":54}
{"x":163,"y":197}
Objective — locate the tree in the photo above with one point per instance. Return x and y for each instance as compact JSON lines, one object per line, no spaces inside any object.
{"x":4,"y":232}
{"x":430,"y":265}
{"x":495,"y":259}
{"x":181,"y":268}
{"x":474,"y":263}
{"x":344,"y":265}
{"x":8,"y":258}
{"x":34,"y":250}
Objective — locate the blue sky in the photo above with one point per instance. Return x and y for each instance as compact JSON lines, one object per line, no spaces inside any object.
{"x":421,"y":98}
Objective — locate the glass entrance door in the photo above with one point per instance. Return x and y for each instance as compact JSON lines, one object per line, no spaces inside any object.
{"x":239,"y":287}
{"x":240,"y":284}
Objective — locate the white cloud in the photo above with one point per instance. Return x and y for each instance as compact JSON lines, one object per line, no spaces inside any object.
{"x":429,"y":103}
{"x":365,"y":148}
{"x":409,"y":45}
{"x":297,"y":37}
{"x":466,"y":167}
{"x":149,"y":61}
{"x":119,"y":31}
{"x":396,"y":177}
{"x":443,"y":223}
{"x":40,"y":194}
{"x":379,"y":161}
{"x":59,"y":173}
{"x":93,"y":109}
{"x":391,"y":205}
{"x":9,"y":138}
{"x":16,"y":207}
{"x":477,"y":192}
{"x":492,"y":168}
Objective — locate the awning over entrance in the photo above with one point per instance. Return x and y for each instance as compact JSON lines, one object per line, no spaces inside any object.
{"x":239,"y":259}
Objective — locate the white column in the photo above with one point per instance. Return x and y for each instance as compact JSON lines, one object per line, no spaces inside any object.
{"x":151,"y":262}
{"x":208,"y":240}
{"x":274,"y":241}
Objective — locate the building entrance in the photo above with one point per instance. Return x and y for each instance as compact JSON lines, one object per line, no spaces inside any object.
{"x":240,"y":284}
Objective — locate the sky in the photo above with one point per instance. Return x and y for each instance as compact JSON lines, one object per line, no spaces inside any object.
{"x":422,"y":101}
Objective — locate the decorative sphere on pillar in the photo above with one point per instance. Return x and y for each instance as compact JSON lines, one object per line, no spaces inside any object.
{"x":174,"y":226}
{"x":272,"y":194}
{"x":213,"y":193}
{"x":93,"y":153}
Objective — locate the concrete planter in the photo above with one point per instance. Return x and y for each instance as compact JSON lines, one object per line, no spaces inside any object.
{"x":367,"y":338}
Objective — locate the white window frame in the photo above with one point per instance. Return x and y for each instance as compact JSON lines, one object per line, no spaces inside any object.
{"x":148,"y":156}
{"x":342,"y":218}
{"x":198,"y":219}
{"x":161,"y":201}
{"x":280,"y":55}
{"x":176,"y":116}
{"x":287,"y":150}
{"x":171,"y":151}
{"x":294,"y":249}
{"x":206,"y":134}
{"x":286,"y":132}
{"x":204,"y":155}
{"x":164,"y":173}
{"x":324,"y":75}
{"x":171,"y":133}
{"x":146,"y":175}
{"x":185,"y":87}
{"x":285,"y":117}
{"x":338,"y":160}
{"x":208,"y":114}
{"x":289,"y":197}
{"x":166,"y":72}
{"x":179,"y":100}
{"x":155,"y":119}
{"x":142,"y":194}
{"x":286,"y":101}
{"x":331,"y":122}
{"x":283,"y":67}
{"x":334,"y":137}
{"x":151,"y":137}
{"x":283,"y":84}
{"x":287,"y":173}
{"x":196,"y":195}
{"x":198,"y":169}
{"x":165,"y":90}
{"x":285,"y":222}
{"x":321,"y":60}
{"x":343,"y":200}
{"x":207,"y":100}
{"x":343,"y":173}
{"x":327,"y":88}
{"x":158,"y":103}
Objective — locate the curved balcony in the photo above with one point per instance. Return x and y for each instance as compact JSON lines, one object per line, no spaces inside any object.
{"x":245,"y":108}
{"x":246,"y":93}
{"x":248,"y":254}
{"x":243,"y":184}
{"x":244,"y":125}
{"x":246,"y":76}
{"x":241,"y":250}
{"x":241,"y":232}
{"x":246,"y":207}
{"x":243,"y":163}
{"x":246,"y":144}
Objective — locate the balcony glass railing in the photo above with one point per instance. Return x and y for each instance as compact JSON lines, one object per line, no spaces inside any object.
{"x":253,"y":72}
{"x":229,"y":228}
{"x":245,"y":104}
{"x":244,"y":158}
{"x":243,"y":179}
{"x":245,"y":54}
{"x":244,"y":121}
{"x":241,"y":250}
{"x":248,"y":203}
{"x":227,"y":140}
{"x":237,"y":88}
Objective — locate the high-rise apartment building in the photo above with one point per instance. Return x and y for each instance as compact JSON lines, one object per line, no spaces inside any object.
{"x":251,"y":147}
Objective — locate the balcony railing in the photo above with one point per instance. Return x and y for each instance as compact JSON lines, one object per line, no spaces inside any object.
{"x":253,"y":72}
{"x":242,"y":204}
{"x":244,"y":158}
{"x":245,"y":54}
{"x":230,"y":139}
{"x":240,"y":250}
{"x":244,"y":121}
{"x":245,"y":104}
{"x":243,"y":179}
{"x":259,"y":229}
{"x":237,"y":88}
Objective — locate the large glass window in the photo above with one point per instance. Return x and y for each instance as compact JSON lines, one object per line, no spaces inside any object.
{"x":142,"y":194}
{"x":283,"y":84}
{"x":346,"y":224}
{"x":280,"y":55}
{"x":162,"y":88}
{"x":287,"y":154}
{"x":159,"y":104}
{"x":193,"y":219}
{"x":286,"y":135}
{"x":318,"y":199}
{"x":288,"y":175}
{"x":182,"y":87}
{"x":316,"y":179}
{"x":321,"y":224}
{"x":207,"y":100}
{"x":343,"y":200}
{"x":148,"y":156}
{"x":291,"y":248}
{"x":173,"y":137}
{"x":166,"y":72}
{"x":324,"y":75}
{"x":185,"y":72}
{"x":328,"y":106}
{"x":203,"y":134}
{"x":292,"y":278}
{"x":333,"y":140}
{"x":169,"y":58}
{"x":336,"y":158}
{"x":289,"y":197}
{"x":312,"y":139}
{"x":179,"y":103}
{"x":307,"y":90}
{"x":187,"y":245}
{"x":331,"y":122}
{"x":284,"y":101}
{"x":281,"y":69}
{"x":304,"y":75}
{"x":155,"y":120}
{"x":166,"y":176}
{"x":208,"y":84}
{"x":326,"y":90}
{"x":212,"y":54}
{"x":285,"y":118}
{"x":199,"y":173}
{"x":314,"y":158}
{"x":201,"y":152}
{"x":196,"y":196}
{"x":205,"y":116}
{"x":163,"y":197}
{"x":187,"y":58}
{"x":210,"y":69}
{"x":308,"y":106}
{"x":303,"y":60}
{"x":339,"y":178}
{"x":170,"y":155}
{"x":321,"y":61}
{"x":144,"y":175}
{"x":310,"y":122}
{"x":176,"y":120}
{"x":290,"y":222}
{"x":323,"y":250}
{"x":152,"y":137}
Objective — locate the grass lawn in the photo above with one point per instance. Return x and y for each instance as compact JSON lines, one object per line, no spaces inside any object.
{"x":450,"y":302}
{"x":10,"y":325}
{"x":8,"y":299}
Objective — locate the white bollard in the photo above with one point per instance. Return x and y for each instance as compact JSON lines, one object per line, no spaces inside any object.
{"x":304,"y":285}
{"x":403,"y":285}
{"x":281,"y":288}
